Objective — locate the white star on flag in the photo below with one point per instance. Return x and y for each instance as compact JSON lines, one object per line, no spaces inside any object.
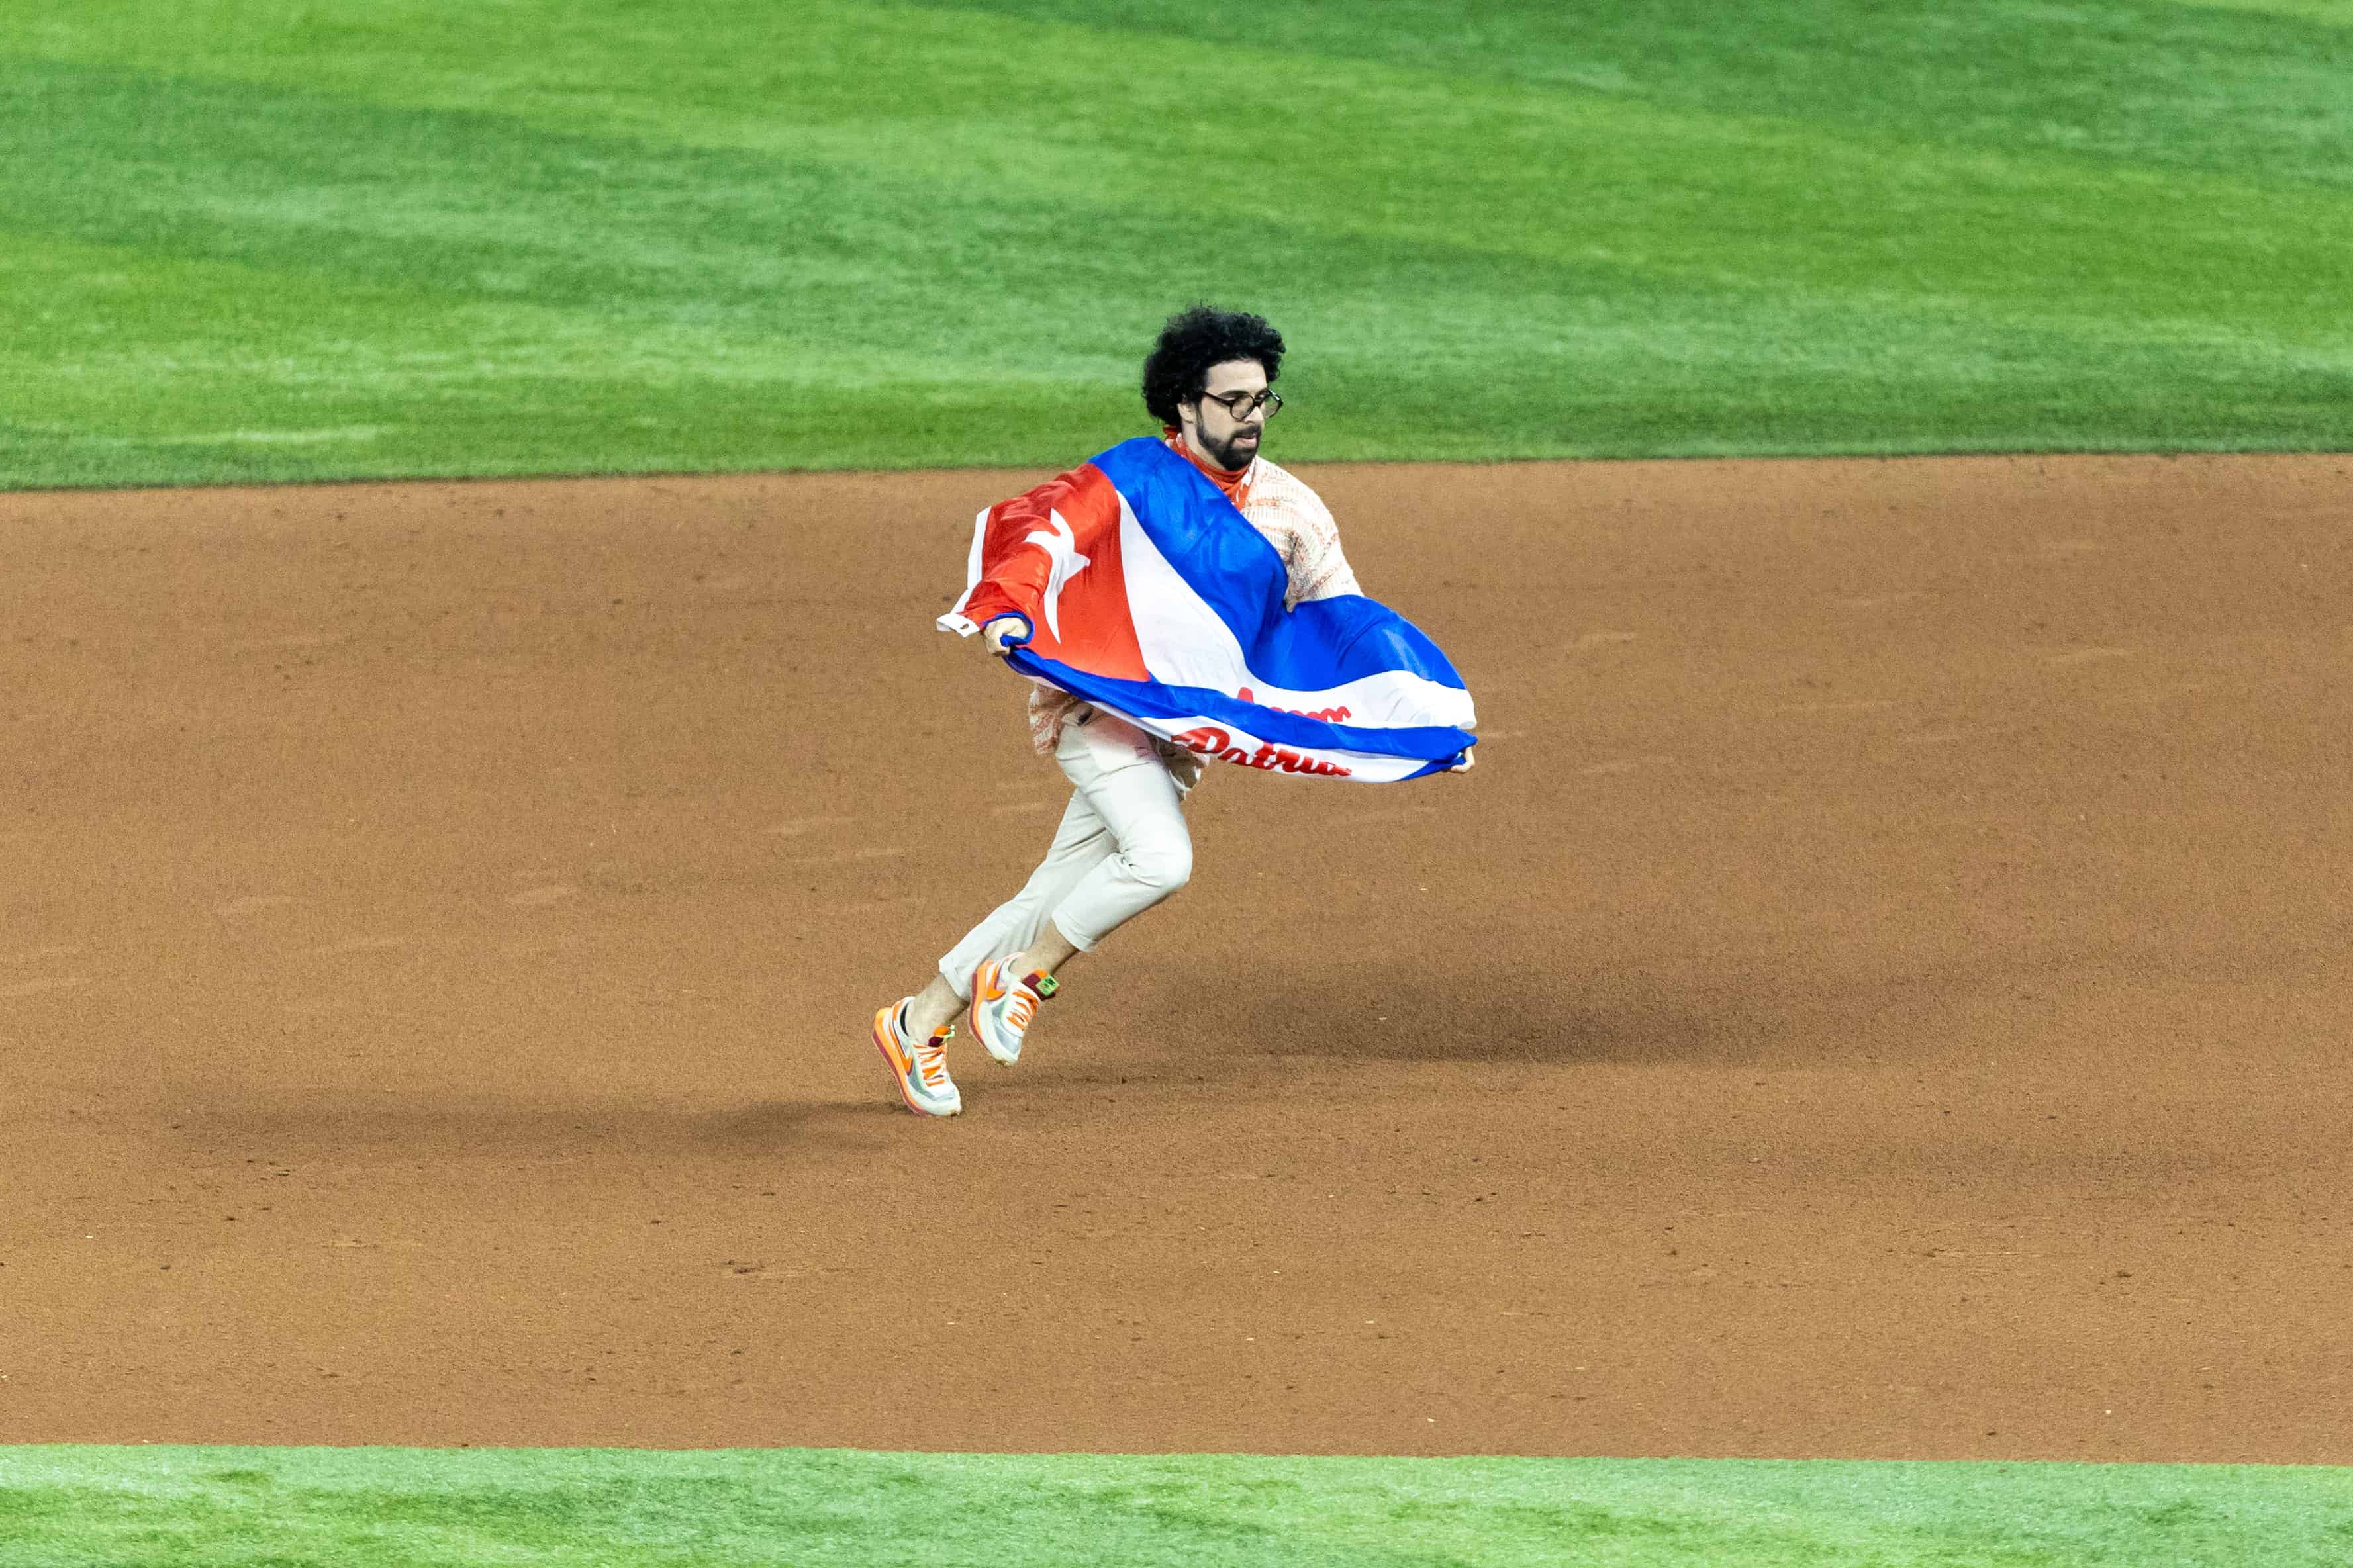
{"x":1062,"y":548}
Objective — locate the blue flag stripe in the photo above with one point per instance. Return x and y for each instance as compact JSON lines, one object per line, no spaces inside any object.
{"x":1438,"y":743}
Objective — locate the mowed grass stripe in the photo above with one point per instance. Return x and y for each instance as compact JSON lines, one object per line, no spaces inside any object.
{"x":294,"y":1507}
{"x":443,"y":239}
{"x":1358,"y":153}
{"x":494,"y":348}
{"x":2254,"y":91}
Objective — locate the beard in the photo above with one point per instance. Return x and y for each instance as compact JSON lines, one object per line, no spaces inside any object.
{"x":1236,"y":451}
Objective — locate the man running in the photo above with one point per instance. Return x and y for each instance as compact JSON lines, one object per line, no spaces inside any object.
{"x":1123,"y":846}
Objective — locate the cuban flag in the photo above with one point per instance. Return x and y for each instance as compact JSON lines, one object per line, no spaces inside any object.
{"x":1146,"y":592}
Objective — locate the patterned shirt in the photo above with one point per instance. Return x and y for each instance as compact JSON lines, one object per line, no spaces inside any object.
{"x":1293,"y":517}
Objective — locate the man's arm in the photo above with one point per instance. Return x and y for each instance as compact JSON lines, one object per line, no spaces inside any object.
{"x":1007,"y":574}
{"x":1318,"y":567}
{"x":1328,"y":573}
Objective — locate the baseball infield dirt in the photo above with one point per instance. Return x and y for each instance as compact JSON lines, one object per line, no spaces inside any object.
{"x":1883,"y":993}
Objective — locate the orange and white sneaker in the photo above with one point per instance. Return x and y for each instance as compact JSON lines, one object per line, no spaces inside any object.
{"x":921,"y":1069}
{"x":1002,"y":1007}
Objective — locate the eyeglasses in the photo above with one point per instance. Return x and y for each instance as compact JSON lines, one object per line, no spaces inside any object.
{"x":1241,"y":406}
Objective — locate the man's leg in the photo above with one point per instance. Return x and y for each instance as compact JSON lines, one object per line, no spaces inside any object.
{"x":1080,"y":844}
{"x":1120,"y":776}
{"x":1122,"y":847}
{"x":1125,"y":782}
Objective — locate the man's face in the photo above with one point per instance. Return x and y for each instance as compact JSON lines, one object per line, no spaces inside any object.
{"x":1228,"y":442}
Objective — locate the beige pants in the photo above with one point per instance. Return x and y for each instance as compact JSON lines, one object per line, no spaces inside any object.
{"x":1123,"y":846}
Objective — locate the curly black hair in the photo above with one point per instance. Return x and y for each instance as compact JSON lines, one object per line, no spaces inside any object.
{"x":1177,"y":369}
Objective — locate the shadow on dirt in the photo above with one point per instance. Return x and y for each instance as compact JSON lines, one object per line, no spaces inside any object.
{"x":440,"y":1130}
{"x":1400,"y":1013}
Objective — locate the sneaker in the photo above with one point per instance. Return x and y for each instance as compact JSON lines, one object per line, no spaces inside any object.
{"x":921,"y":1069}
{"x":1002,"y":1007}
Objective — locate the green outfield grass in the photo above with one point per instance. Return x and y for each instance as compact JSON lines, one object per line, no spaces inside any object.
{"x":392,"y":1508}
{"x":249,"y":240}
